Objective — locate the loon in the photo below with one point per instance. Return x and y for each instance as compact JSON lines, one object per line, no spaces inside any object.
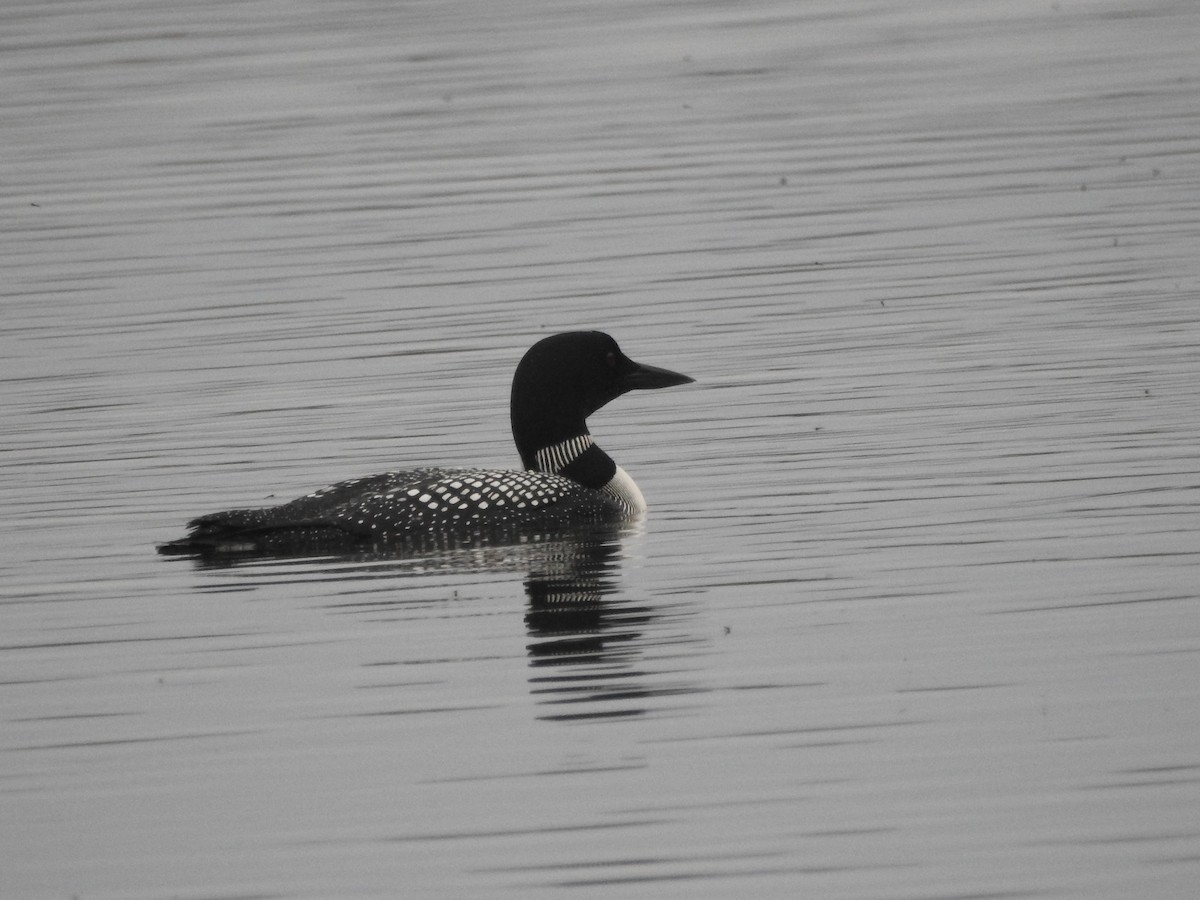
{"x":568,"y":480}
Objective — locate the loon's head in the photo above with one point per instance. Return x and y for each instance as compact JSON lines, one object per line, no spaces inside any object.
{"x":565,"y":378}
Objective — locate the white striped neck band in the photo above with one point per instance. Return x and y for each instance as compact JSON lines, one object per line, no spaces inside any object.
{"x":558,"y":457}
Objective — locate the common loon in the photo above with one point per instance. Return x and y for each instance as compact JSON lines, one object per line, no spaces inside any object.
{"x":569,"y":481}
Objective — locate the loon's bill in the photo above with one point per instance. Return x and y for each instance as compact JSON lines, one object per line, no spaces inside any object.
{"x":568,"y":480}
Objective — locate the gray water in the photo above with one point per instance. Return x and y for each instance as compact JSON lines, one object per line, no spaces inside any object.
{"x":914,"y":612}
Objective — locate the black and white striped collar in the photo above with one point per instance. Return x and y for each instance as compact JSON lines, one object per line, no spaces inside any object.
{"x":559,"y":456}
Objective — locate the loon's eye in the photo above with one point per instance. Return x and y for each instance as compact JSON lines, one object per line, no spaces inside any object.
{"x":611,"y":359}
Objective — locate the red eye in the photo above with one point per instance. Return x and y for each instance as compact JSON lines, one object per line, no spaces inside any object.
{"x":611,"y":359}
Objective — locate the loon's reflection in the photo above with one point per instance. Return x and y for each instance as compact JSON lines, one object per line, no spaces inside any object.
{"x":595,"y":651}
{"x":590,"y":645}
{"x":569,"y":616}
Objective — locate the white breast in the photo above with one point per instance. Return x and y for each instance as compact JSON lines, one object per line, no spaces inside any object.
{"x":623,"y":489}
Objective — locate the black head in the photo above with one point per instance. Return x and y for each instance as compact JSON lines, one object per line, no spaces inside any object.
{"x":565,"y":378}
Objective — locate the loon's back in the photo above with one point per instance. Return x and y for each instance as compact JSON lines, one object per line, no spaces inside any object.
{"x":417,"y":507}
{"x":569,"y":480}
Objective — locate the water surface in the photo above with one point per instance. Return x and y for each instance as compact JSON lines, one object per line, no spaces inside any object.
{"x":914,"y":613}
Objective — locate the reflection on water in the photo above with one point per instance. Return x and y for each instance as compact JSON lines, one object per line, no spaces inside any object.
{"x":592,"y":643}
{"x":589,"y":640}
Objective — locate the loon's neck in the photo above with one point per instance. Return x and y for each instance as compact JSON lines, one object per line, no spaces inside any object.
{"x":581,"y":460}
{"x":578,"y":458}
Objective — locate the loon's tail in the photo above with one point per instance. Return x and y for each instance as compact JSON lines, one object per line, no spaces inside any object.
{"x":254,"y":531}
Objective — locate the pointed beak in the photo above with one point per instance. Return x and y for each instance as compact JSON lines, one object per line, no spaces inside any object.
{"x":643,"y":377}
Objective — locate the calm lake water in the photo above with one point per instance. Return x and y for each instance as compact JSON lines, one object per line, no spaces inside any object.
{"x":914,"y":614}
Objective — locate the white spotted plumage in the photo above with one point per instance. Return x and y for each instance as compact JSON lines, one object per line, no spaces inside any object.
{"x":398,"y":503}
